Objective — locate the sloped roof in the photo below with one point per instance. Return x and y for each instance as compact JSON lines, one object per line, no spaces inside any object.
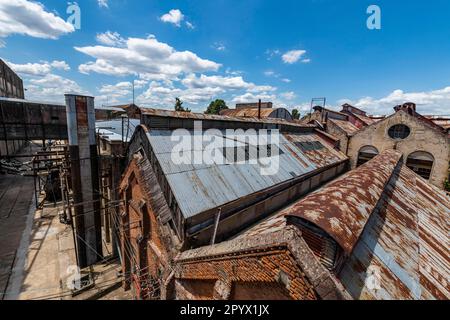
{"x":406,"y":245}
{"x":249,"y":112}
{"x":346,"y":126}
{"x":398,"y":230}
{"x":201,"y":116}
{"x":217,"y":184}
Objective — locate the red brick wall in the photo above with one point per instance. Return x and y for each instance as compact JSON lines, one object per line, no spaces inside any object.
{"x":140,"y":220}
{"x":266,"y":275}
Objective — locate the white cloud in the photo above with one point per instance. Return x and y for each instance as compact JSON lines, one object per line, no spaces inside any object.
{"x":138,"y":84}
{"x":163,"y":96}
{"x":103,"y":3}
{"x":51,"y":87}
{"x":288,"y":95}
{"x":250,"y":97}
{"x":30,"y":18}
{"x":270,"y":73}
{"x":61,"y":65}
{"x":428,"y":102}
{"x":233,"y":83}
{"x":111,"y":39}
{"x":306,"y":60}
{"x":233,"y":72}
{"x":37,"y":69}
{"x":147,"y":58}
{"x":119,"y":89}
{"x":190,"y":25}
{"x":270,"y":53}
{"x":174,"y":17}
{"x":219,"y":46}
{"x":2,"y":43}
{"x":292,"y":56}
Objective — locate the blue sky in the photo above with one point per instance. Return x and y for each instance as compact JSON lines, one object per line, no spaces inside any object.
{"x":284,"y":51}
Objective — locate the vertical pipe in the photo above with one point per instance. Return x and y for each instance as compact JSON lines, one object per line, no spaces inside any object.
{"x":259,"y":109}
{"x":85,"y":178}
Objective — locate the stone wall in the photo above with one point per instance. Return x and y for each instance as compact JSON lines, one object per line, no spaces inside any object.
{"x":423,"y":137}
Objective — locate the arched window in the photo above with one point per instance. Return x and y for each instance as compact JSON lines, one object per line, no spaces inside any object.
{"x":399,"y":132}
{"x":365,"y":154}
{"x":421,"y":162}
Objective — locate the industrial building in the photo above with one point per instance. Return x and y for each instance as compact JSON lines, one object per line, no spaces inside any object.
{"x":377,"y":233}
{"x":423,"y":140}
{"x":11,"y":85}
{"x":324,"y":225}
{"x":158,"y":194}
{"x":255,"y":110}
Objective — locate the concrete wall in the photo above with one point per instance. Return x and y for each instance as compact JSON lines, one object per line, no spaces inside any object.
{"x":422,"y":138}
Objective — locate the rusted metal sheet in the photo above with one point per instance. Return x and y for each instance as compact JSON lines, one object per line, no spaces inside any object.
{"x":255,"y":113}
{"x":213,"y":185}
{"x":346,"y":126}
{"x":206,"y":117}
{"x":404,"y":249}
{"x":344,"y":206}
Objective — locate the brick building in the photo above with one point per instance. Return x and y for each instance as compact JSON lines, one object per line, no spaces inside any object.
{"x":11,"y":85}
{"x":252,"y":110}
{"x":170,"y":208}
{"x":423,"y":140}
{"x":374,"y":233}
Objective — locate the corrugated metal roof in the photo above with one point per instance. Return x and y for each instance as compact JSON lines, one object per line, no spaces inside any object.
{"x":249,"y":112}
{"x":348,"y":127}
{"x":201,"y":116}
{"x":199,"y":188}
{"x":344,"y":206}
{"x":112,"y":130}
{"x":402,"y":249}
{"x":407,"y":242}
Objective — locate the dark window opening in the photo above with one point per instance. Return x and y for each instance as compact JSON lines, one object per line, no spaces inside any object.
{"x":399,"y":132}
{"x":421,"y":163}
{"x":309,"y":146}
{"x":247,"y":153}
{"x":321,"y":244}
{"x":366,"y":154}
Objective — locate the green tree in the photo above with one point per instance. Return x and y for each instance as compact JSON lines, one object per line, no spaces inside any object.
{"x":295,"y":114}
{"x":216,"y":106}
{"x":179,"y":106}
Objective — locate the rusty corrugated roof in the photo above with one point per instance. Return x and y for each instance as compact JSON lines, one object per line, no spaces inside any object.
{"x":400,"y":250}
{"x":405,"y":245}
{"x":344,"y":206}
{"x":248,"y":112}
{"x":348,"y":127}
{"x":202,"y":116}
